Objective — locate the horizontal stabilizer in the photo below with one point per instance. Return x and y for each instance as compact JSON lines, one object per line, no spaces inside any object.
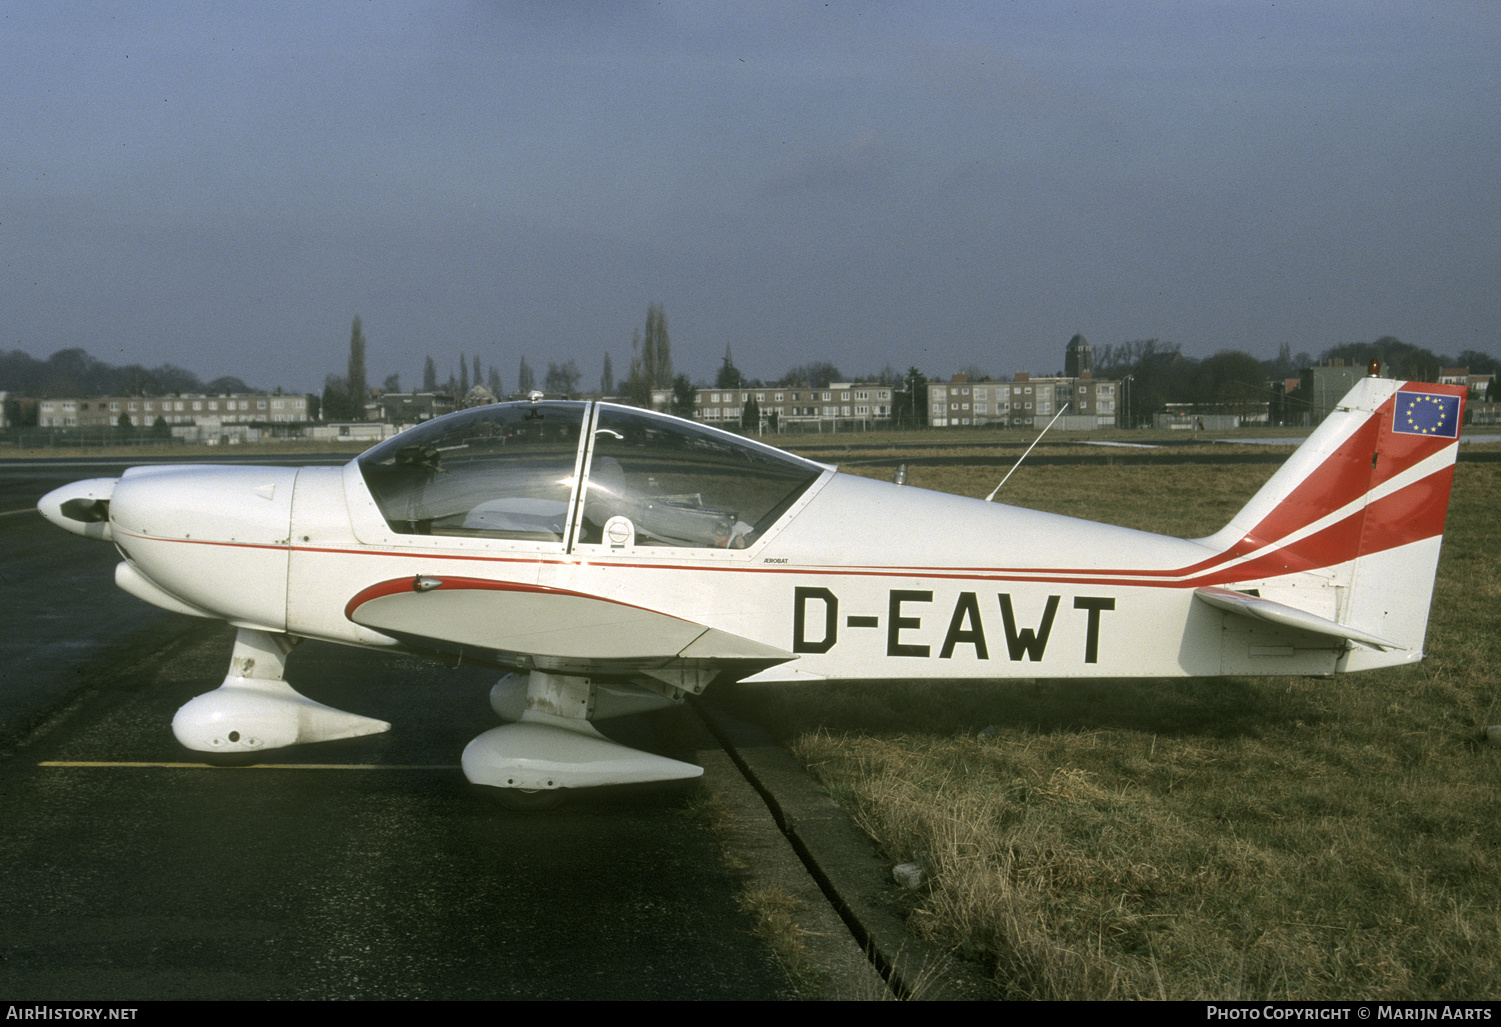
{"x":785,"y":673}
{"x":1289,"y":617}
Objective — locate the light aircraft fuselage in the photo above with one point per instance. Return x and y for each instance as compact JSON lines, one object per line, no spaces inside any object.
{"x":589,"y":546}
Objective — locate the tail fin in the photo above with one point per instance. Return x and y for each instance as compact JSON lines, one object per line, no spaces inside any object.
{"x":1349,"y":528}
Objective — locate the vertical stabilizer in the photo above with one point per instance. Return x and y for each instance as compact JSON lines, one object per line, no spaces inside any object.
{"x":1353,"y":521}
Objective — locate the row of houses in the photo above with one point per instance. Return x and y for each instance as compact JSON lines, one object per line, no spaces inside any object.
{"x":1024,"y":402}
{"x":801,"y":407}
{"x":797,"y":407}
{"x":209,"y":412}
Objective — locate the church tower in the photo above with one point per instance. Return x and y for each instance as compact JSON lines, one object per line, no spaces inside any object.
{"x":1078,"y":359}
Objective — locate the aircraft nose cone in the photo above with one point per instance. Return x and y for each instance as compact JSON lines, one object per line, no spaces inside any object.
{"x":82,"y":507}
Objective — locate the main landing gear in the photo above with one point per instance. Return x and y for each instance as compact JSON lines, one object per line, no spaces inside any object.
{"x":548,"y":745}
{"x":551,"y":744}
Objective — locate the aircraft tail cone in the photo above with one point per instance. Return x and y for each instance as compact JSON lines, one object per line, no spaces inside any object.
{"x":539,"y":755}
{"x":248,"y":715}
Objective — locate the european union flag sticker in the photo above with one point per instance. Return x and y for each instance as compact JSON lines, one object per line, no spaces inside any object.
{"x":1427,"y":413}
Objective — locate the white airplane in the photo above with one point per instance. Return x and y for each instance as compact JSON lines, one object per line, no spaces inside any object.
{"x":614,"y":560}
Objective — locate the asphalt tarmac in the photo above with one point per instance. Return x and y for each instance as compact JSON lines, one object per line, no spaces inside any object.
{"x":131,"y":874}
{"x":368,"y":868}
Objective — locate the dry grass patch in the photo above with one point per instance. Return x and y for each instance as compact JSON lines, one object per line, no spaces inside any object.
{"x":775,"y":912}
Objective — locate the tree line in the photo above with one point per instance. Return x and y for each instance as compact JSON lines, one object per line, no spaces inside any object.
{"x":1235,"y":382}
{"x":72,"y":372}
{"x":1157,"y":373}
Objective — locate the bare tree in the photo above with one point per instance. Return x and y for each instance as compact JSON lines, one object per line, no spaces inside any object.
{"x":657,"y":347}
{"x":562,"y":380}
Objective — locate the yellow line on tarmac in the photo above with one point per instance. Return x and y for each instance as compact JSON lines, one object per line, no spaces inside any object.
{"x":23,"y":510}
{"x":254,"y":766}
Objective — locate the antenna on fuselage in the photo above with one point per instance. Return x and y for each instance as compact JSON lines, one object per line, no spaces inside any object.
{"x":1029,"y":449}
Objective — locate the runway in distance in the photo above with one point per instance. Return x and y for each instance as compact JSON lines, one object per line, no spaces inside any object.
{"x":613,"y":560}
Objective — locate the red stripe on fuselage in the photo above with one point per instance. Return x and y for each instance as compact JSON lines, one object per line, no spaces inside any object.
{"x":449,"y":583}
{"x":1411,"y":514}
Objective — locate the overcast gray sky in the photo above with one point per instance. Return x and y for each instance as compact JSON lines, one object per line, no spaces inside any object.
{"x":223,"y":186}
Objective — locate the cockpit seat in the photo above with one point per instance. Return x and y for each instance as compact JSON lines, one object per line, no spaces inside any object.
{"x":519,"y":516}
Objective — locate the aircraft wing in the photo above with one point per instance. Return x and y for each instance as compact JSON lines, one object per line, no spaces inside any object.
{"x":550,"y":628}
{"x":1255,"y":607}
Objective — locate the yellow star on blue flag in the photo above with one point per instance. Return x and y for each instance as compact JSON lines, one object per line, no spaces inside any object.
{"x":1427,"y":413}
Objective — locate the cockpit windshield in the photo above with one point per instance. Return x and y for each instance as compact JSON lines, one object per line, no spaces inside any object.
{"x":502,"y":471}
{"x":509,"y":471}
{"x":663,"y":482}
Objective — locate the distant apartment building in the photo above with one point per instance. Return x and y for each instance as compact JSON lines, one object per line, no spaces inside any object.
{"x":1321,"y":388}
{"x":837,"y":404}
{"x":411,"y":407}
{"x":1023,"y":402}
{"x":1478,"y":384}
{"x":797,"y":405}
{"x":209,"y":412}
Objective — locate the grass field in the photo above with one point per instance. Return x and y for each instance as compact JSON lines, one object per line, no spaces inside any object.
{"x":1227,"y":838}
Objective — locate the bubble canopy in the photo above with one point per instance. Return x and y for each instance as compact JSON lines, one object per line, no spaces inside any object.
{"x":582,"y":474}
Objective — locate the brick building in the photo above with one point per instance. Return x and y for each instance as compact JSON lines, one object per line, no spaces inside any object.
{"x":1023,"y":402}
{"x":210,"y":412}
{"x":840,"y":404}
